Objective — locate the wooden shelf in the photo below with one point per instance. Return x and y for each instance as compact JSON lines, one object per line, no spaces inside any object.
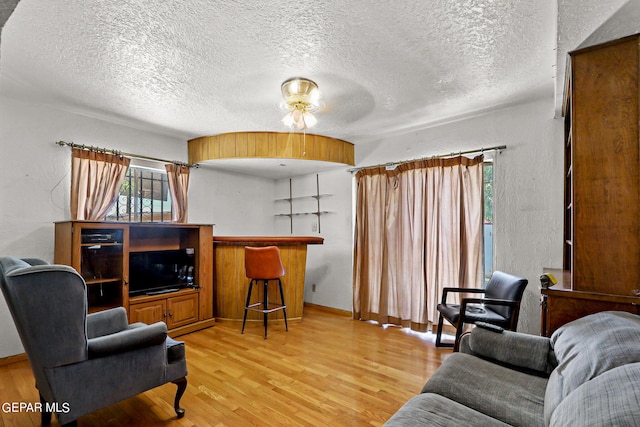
{"x":103,"y":280}
{"x":146,"y":298}
{"x":98,"y":244}
{"x":149,"y":248}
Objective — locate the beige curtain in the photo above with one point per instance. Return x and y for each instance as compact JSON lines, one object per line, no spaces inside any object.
{"x":95,"y":181}
{"x":178,"y":177}
{"x":418,"y":229}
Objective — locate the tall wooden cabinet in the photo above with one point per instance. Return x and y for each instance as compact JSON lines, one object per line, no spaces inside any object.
{"x":100,"y":252}
{"x":602,"y":185}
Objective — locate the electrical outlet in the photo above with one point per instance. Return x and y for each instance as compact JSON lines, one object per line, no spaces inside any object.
{"x":313,"y":287}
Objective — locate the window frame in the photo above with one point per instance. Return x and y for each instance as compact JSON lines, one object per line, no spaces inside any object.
{"x":138,"y":208}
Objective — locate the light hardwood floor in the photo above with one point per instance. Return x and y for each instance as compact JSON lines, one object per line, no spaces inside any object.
{"x":328,"y":370}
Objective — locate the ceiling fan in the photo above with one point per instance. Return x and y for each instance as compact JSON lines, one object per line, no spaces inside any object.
{"x":302,"y":98}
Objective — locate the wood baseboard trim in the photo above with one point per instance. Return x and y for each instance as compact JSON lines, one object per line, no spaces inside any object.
{"x":13,"y":359}
{"x":329,"y":309}
{"x":187,"y":329}
{"x":235,"y":322}
{"x":173,"y":333}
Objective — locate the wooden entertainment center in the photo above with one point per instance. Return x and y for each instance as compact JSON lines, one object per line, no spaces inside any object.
{"x":100,"y":252}
{"x":602,"y":186}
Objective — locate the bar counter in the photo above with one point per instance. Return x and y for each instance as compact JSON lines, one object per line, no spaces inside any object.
{"x":231,"y":285}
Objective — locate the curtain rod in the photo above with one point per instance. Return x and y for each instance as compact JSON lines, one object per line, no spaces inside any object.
{"x":121,"y":153}
{"x":498,"y":148}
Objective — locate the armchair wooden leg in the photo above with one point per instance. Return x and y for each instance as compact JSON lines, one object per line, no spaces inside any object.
{"x":439,"y":342}
{"x":459,"y":329}
{"x":45,"y":416}
{"x":182,"y":386}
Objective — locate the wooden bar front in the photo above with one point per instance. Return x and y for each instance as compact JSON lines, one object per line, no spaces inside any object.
{"x":231,"y":285}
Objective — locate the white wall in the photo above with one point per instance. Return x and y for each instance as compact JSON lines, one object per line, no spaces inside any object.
{"x":528,"y":198}
{"x":529,"y":209}
{"x":238,"y":205}
{"x":34,"y":192}
{"x":35,"y":182}
{"x":329,"y":266}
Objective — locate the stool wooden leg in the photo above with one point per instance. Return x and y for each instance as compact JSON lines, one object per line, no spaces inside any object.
{"x":266,"y":305}
{"x":284,"y":310}
{"x":244,"y":321}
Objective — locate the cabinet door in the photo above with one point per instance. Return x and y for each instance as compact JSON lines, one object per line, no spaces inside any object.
{"x":148,"y":312}
{"x":99,"y":258}
{"x":605,"y":169}
{"x":182,"y":310}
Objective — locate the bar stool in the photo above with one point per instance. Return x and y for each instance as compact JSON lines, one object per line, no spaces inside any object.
{"x":264,"y":264}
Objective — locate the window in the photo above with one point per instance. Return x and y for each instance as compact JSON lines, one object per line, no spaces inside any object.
{"x":144,"y":197}
{"x":487,"y":187}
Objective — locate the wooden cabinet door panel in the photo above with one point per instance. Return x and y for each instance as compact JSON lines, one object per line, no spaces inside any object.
{"x":605,"y":169}
{"x":182,"y":310}
{"x":148,"y":312}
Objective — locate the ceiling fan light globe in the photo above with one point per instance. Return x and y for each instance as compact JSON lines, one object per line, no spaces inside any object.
{"x":287,"y":120}
{"x":309,"y":119}
{"x":298,"y":118}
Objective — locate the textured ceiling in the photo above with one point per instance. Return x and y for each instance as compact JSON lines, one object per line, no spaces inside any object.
{"x":577,"y":20}
{"x":204,"y":67}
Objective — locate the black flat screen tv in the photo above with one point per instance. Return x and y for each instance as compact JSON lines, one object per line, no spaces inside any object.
{"x":160,"y":271}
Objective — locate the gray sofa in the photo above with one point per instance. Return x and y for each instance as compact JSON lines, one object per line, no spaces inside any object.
{"x":586,"y":374}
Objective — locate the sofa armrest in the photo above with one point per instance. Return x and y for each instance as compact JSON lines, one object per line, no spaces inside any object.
{"x":529,"y":352}
{"x":129,"y":339}
{"x":106,"y":322}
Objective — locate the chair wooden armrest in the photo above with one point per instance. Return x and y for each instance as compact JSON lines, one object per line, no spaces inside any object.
{"x":446,"y":290}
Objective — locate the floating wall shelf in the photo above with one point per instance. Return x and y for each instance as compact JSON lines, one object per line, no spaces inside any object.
{"x":291,"y":199}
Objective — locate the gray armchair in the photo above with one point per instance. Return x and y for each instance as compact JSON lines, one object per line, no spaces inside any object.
{"x":84,"y":362}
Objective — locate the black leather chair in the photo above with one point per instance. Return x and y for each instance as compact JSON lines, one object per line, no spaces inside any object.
{"x":500,"y":306}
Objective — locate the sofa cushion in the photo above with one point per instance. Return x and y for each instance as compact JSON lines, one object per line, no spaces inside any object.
{"x":510,"y":396}
{"x":435,"y":410}
{"x":611,"y":399}
{"x":588,"y":347}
